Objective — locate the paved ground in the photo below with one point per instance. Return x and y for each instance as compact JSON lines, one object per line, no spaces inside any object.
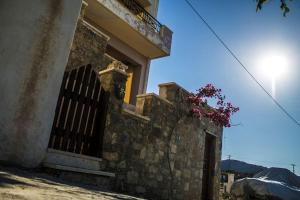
{"x":29,"y":185}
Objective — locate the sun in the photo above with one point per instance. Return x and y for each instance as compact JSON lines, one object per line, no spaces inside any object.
{"x":274,"y":65}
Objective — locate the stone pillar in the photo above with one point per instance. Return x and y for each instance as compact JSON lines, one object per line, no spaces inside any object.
{"x":113,"y":81}
{"x":175,"y":94}
{"x":172,"y":92}
{"x":35,"y":41}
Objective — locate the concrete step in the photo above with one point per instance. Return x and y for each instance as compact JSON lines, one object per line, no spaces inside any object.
{"x":63,"y":158}
{"x":101,"y":179}
{"x":78,"y":168}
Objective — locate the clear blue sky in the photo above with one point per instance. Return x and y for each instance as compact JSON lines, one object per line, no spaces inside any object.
{"x":266,"y":136}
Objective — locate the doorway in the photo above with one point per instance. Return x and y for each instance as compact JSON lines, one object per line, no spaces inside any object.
{"x":208,"y":167}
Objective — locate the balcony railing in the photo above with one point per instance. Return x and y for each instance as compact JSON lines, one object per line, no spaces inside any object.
{"x":140,"y":12}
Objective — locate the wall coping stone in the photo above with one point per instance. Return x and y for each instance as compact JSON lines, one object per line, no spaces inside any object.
{"x":136,"y":115}
{"x":112,"y":70}
{"x":95,"y":30}
{"x":129,"y":107}
{"x":155,"y":96}
{"x":175,"y":84}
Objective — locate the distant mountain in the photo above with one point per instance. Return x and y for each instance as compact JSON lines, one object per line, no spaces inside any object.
{"x":280,"y":175}
{"x":272,"y":183}
{"x":240,"y":167}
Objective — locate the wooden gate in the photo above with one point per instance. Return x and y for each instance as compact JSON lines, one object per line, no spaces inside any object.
{"x":80,"y":113}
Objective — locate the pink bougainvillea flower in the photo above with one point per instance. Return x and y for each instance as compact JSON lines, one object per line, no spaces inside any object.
{"x":222,"y":112}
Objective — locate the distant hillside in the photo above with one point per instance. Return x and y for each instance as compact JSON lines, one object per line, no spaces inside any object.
{"x":280,"y":175}
{"x":240,"y":167}
{"x":278,"y":183}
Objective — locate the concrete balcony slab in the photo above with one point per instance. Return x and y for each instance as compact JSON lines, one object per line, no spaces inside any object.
{"x":132,"y":29}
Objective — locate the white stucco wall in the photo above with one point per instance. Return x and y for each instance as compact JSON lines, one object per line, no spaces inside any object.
{"x":35,"y":40}
{"x":230,"y":182}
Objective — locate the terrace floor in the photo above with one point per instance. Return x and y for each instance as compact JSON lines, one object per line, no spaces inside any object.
{"x":24,"y":184}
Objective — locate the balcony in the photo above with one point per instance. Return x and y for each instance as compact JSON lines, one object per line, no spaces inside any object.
{"x":144,"y":3}
{"x":142,"y":14}
{"x":128,"y":21}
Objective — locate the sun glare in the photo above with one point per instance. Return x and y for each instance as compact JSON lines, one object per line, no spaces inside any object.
{"x":274,"y":66}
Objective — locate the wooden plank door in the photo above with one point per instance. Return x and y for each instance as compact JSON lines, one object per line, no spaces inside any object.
{"x":80,"y":113}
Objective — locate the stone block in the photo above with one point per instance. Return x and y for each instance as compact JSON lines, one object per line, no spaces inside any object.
{"x":159,"y":178}
{"x":156,"y":158}
{"x":122,"y":164}
{"x":137,"y":146}
{"x":140,"y":189}
{"x":172,"y":165}
{"x":153,"y":169}
{"x":178,"y":173}
{"x":143,"y":153}
{"x":114,"y":138}
{"x":173,"y":148}
{"x":161,"y":153}
{"x":172,"y":91}
{"x":186,"y":187}
{"x":132,"y":177}
{"x":111,"y":156}
{"x":187,"y":173}
{"x":152,"y":183}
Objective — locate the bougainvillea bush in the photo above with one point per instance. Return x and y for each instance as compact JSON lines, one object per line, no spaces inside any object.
{"x":219,"y":114}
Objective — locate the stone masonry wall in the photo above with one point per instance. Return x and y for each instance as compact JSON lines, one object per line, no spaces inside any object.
{"x":88,"y":46}
{"x":156,"y":152}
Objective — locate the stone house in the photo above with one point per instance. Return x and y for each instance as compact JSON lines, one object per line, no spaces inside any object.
{"x":227,"y":179}
{"x":74,"y":77}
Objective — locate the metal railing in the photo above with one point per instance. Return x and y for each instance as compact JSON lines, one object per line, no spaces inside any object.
{"x":140,"y":12}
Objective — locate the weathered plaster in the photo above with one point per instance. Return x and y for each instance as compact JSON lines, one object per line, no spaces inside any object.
{"x":34,"y":47}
